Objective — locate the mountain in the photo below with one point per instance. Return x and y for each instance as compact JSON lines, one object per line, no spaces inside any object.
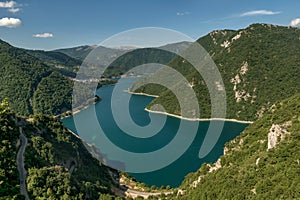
{"x":97,"y":55}
{"x":63,"y":63}
{"x":137,"y":57}
{"x":57,"y":163}
{"x":22,"y":75}
{"x":176,"y":47}
{"x":8,"y":137}
{"x":124,"y":58}
{"x":259,"y":66}
{"x":38,"y":81}
{"x":79,"y":52}
{"x":261,"y":163}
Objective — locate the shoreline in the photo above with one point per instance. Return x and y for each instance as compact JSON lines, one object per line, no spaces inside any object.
{"x":77,"y":110}
{"x":198,"y":119}
{"x":141,"y":93}
{"x":185,"y":118}
{"x":74,"y":111}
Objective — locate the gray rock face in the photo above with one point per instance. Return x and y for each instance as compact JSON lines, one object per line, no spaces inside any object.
{"x":277,"y":133}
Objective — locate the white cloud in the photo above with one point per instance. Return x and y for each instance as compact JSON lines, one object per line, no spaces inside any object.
{"x":11,"y":6}
{"x":259,"y":12}
{"x":295,"y":22}
{"x":10,"y":22}
{"x":7,"y":4}
{"x":14,"y":10}
{"x":43,"y":35}
{"x":182,"y":13}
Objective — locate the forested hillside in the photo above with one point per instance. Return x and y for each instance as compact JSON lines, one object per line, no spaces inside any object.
{"x":38,"y":81}
{"x":61,"y":62}
{"x":261,"y":163}
{"x":136,"y":58}
{"x":57,"y":163}
{"x":260,"y":69}
{"x":48,"y":99}
{"x":22,"y":74}
{"x":9,"y":178}
{"x":259,"y":65}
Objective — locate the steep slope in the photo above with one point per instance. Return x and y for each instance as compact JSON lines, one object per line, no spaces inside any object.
{"x":9,"y":184}
{"x":57,"y":162}
{"x":48,"y":100}
{"x":21,"y":75}
{"x":29,"y":79}
{"x":261,"y":163}
{"x":259,"y":65}
{"x":61,"y":62}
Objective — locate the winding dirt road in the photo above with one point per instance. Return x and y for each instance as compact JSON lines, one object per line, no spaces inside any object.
{"x":146,"y":195}
{"x":20,"y":164}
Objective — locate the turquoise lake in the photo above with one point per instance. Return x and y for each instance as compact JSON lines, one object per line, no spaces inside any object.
{"x":172,"y":174}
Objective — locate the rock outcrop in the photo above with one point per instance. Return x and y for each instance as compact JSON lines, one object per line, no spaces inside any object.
{"x":277,"y":133}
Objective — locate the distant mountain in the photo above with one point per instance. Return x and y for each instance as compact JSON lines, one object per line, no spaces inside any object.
{"x":62,"y":62}
{"x":125,"y":57}
{"x":261,"y":163}
{"x":176,"y":47}
{"x":101,"y":56}
{"x":79,"y":52}
{"x":134,"y":57}
{"x":259,"y":66}
{"x":57,"y":163}
{"x":260,"y":70}
{"x":138,"y":57}
{"x":21,"y":76}
{"x":38,"y":81}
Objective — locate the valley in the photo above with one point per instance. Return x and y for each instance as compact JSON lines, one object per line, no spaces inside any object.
{"x":256,"y":156}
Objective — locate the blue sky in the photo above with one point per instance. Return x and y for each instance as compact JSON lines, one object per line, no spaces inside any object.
{"x":41,"y":24}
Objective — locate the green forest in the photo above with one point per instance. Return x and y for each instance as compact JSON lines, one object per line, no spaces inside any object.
{"x":248,"y":169}
{"x":9,"y":179}
{"x":38,"y":81}
{"x":58,"y":164}
{"x":24,"y":76}
{"x":255,"y":67}
{"x":260,"y":70}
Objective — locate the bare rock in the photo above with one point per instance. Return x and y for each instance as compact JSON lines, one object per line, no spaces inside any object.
{"x":277,"y":133}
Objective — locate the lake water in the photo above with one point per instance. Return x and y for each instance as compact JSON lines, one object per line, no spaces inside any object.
{"x":172,"y":174}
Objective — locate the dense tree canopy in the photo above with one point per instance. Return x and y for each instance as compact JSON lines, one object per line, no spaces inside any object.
{"x":21,"y":75}
{"x":249,"y":170}
{"x":58,"y":164}
{"x":259,"y":65}
{"x":9,"y":134}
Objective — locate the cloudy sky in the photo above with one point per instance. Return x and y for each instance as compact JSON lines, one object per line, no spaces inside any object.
{"x":41,"y":24}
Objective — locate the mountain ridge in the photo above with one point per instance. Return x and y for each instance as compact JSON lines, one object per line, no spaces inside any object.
{"x":256,"y":164}
{"x":252,"y":62}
